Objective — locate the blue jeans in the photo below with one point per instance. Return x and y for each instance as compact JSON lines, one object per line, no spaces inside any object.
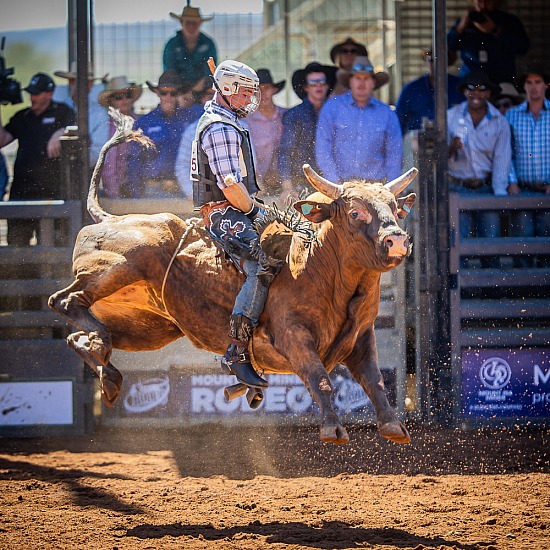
{"x":530,"y":223}
{"x":252,"y":296}
{"x":235,"y":231}
{"x":484,"y":224}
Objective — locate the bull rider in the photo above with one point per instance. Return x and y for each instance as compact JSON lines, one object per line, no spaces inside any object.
{"x":224,"y":180}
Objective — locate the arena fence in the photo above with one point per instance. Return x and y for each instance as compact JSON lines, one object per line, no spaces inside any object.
{"x":500,"y":319}
{"x":44,"y":387}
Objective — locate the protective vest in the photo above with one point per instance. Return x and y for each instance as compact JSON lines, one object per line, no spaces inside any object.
{"x":205,"y":188}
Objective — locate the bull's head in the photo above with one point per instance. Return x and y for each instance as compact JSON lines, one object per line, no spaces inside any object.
{"x":368,"y":210}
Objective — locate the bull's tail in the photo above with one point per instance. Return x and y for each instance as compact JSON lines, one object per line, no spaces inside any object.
{"x":123,"y":132}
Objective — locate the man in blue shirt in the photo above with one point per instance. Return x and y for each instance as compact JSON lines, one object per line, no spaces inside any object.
{"x":151,"y":172}
{"x":416,"y":100}
{"x":480,"y":155}
{"x":297,"y":148}
{"x":187,"y":53}
{"x":530,"y":175}
{"x":358,"y":136}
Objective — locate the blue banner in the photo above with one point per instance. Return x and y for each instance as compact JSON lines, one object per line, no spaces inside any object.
{"x":506,"y":383}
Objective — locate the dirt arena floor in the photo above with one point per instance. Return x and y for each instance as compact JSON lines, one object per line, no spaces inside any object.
{"x":238,"y":488}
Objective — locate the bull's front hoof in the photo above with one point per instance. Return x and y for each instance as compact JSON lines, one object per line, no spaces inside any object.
{"x":335,"y":433}
{"x":111,"y":384}
{"x":394,"y":431}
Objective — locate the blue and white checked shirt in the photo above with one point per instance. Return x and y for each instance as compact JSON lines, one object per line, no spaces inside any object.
{"x":354,"y":142}
{"x":530,"y":144}
{"x":487,"y":148}
{"x":222,"y":145}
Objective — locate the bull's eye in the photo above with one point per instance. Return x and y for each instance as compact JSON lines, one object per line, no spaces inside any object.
{"x":355,"y":214}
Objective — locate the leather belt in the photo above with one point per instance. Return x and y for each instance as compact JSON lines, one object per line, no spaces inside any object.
{"x":471,"y":183}
{"x":539,"y":187}
{"x":209,"y":207}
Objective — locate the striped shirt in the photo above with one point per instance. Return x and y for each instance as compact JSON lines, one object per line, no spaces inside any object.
{"x":222,"y":145}
{"x":530,"y":144}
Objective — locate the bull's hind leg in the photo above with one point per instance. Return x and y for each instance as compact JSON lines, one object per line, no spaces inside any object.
{"x":93,"y":342}
{"x":109,"y":377}
{"x":363,"y":365}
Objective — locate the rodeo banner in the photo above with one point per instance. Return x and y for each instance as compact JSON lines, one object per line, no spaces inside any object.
{"x":506,"y":383}
{"x":178,"y":393}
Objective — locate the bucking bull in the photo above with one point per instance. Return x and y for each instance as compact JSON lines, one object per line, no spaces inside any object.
{"x":143,"y":281}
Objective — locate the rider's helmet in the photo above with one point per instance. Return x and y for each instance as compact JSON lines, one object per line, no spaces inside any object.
{"x":239,"y":86}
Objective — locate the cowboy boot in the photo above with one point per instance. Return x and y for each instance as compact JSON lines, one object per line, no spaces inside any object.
{"x":236,"y":359}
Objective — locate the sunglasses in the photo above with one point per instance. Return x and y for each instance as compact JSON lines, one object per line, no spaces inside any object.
{"x":118,"y":97}
{"x":504,"y":103}
{"x":349,"y":51}
{"x":165,"y":93}
{"x":480,"y":87}
{"x":316,"y":81}
{"x":362,"y":68}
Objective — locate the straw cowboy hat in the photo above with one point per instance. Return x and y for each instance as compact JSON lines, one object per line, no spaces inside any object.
{"x":118,"y":85}
{"x":264,"y":76}
{"x":71,"y":73}
{"x":190,"y":13}
{"x":168,"y":79}
{"x":348,"y":43}
{"x":299,"y":77}
{"x":362,"y":65}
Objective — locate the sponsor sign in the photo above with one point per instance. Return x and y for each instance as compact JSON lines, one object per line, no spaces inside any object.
{"x":31,"y":403}
{"x":506,"y":383}
{"x":174,"y":393}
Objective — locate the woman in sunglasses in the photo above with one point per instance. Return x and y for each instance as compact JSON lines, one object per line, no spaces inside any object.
{"x":152,"y":171}
{"x":119,"y":94}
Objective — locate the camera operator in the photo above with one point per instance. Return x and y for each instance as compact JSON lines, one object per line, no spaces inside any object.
{"x":37,"y":169}
{"x":488,"y":39}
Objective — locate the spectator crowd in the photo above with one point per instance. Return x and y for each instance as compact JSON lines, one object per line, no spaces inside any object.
{"x":498,"y":122}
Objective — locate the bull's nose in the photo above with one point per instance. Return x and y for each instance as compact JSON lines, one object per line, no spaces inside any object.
{"x":396,"y":245}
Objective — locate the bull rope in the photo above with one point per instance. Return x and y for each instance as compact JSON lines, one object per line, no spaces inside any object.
{"x":192,"y":224}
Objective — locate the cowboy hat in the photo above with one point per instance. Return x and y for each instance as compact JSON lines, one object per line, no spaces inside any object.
{"x":71,"y":73}
{"x":264,"y":76}
{"x":299,"y":77}
{"x":118,"y":85}
{"x":190,"y":13}
{"x":519,"y":80}
{"x":350,"y":42}
{"x":478,"y":78}
{"x":362,"y":65}
{"x":509,"y":90}
{"x":168,"y":79}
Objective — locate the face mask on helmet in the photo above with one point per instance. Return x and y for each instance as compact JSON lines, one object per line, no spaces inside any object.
{"x":239,"y":86}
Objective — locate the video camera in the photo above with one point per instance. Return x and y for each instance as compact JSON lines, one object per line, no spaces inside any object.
{"x":10,"y":89}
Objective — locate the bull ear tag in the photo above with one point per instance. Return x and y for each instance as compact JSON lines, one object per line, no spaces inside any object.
{"x":306,"y":209}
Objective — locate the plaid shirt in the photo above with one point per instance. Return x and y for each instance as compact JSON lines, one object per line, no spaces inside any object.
{"x":530,"y":144}
{"x":222,"y":145}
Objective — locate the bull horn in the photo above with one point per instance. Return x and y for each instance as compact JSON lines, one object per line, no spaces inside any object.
{"x":331,"y":190}
{"x":398,"y":184}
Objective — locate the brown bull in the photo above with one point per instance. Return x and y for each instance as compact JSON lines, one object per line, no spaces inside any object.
{"x":142,"y":281}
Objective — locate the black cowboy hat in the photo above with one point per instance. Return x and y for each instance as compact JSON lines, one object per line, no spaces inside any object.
{"x":478,"y":78}
{"x":361,"y":48}
{"x":299,"y":77}
{"x":264,"y":76}
{"x":519,"y":80}
{"x":168,"y":79}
